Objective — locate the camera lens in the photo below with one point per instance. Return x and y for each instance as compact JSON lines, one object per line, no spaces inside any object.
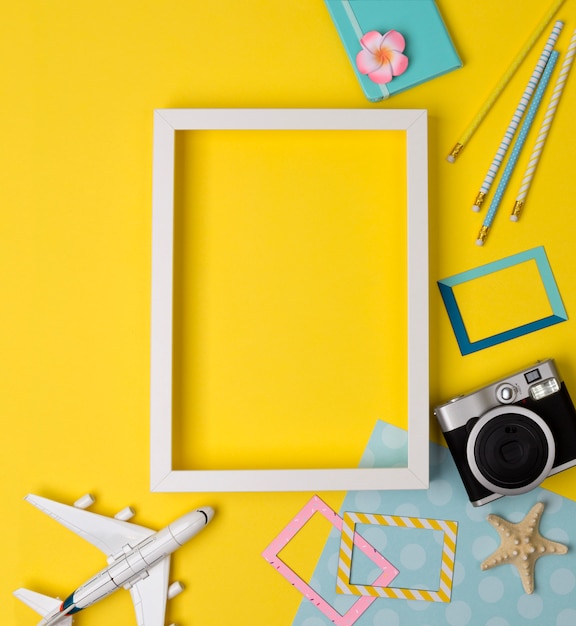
{"x":510,"y":450}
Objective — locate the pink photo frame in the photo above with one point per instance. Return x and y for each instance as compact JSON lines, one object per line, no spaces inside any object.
{"x":317,"y":505}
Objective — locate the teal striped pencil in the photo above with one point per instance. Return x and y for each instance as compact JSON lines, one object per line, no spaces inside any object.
{"x":518,"y":144}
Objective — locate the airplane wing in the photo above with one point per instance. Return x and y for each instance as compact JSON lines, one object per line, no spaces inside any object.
{"x":150,"y":594}
{"x":44,"y":605}
{"x":106,"y":533}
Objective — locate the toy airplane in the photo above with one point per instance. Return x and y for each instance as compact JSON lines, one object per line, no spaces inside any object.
{"x":138,"y":560}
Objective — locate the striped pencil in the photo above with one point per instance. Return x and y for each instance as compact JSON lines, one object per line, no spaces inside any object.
{"x":518,"y":144}
{"x":517,"y":117}
{"x":475,"y":123}
{"x":544,"y":128}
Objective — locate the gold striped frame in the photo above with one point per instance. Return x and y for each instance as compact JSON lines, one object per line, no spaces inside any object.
{"x":443,"y":594}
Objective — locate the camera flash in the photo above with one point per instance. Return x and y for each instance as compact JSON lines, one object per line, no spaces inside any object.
{"x":545,"y":388}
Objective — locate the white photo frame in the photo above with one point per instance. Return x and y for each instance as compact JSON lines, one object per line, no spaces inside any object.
{"x":164,"y":478}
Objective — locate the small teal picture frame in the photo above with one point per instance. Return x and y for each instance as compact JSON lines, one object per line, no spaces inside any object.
{"x":558,"y":311}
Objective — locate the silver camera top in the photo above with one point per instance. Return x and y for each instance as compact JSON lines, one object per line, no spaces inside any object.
{"x":533,"y":382}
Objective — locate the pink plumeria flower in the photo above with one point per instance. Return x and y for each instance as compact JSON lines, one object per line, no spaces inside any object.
{"x":381,"y":56}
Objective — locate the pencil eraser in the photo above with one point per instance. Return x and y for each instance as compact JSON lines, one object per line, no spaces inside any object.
{"x":513,"y":218}
{"x":450,"y":158}
{"x":479,"y":242}
{"x":475,"y":208}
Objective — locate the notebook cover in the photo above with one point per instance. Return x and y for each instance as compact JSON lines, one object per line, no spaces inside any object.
{"x":429,"y":49}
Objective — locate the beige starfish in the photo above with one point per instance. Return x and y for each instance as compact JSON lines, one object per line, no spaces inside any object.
{"x":522,"y":545}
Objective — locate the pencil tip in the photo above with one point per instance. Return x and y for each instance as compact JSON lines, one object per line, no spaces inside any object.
{"x":454,"y":152}
{"x":516,"y":209}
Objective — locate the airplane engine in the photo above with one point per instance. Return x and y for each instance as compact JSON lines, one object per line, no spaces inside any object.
{"x":176,"y":588}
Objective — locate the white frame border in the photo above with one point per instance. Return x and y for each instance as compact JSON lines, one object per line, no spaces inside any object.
{"x":416,"y":475}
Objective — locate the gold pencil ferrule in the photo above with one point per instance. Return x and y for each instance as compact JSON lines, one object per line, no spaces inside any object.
{"x":518,"y":206}
{"x":480,"y":199}
{"x":456,"y":150}
{"x":483,"y":234}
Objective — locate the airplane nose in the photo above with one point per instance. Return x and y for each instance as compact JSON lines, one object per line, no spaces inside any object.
{"x":191,"y":524}
{"x":208,"y":512}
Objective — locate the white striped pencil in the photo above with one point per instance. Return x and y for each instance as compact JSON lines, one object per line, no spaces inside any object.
{"x":544,"y":129}
{"x":517,"y":117}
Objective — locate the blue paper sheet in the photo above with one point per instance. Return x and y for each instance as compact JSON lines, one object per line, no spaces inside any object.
{"x":479,"y":598}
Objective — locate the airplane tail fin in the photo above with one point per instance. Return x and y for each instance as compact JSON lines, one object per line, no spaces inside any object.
{"x":44,"y":605}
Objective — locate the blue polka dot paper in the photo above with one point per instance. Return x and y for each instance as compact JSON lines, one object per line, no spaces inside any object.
{"x":479,"y":598}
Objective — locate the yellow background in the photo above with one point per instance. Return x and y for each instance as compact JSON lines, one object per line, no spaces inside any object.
{"x":511,"y":303}
{"x":290,"y":300}
{"x":79,"y":82}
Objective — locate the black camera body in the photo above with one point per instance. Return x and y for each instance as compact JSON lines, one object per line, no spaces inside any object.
{"x":507,"y":437}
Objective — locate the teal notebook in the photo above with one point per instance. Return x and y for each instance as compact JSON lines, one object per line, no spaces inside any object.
{"x":428,"y":46}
